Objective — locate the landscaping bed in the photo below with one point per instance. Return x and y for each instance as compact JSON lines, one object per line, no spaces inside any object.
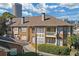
{"x":58,"y":50}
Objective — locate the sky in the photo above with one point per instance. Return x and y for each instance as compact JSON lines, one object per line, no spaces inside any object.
{"x":59,"y":10}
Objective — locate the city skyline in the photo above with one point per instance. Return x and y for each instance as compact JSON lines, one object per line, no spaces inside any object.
{"x":59,"y":10}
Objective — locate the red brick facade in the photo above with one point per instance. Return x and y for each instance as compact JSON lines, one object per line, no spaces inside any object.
{"x":3,"y":53}
{"x":18,"y":47}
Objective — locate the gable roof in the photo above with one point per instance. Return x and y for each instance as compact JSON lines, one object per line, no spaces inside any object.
{"x":37,"y":21}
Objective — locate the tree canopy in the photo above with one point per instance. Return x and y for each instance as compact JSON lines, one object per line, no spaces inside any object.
{"x":3,"y":26}
{"x":73,"y":40}
{"x":7,"y":15}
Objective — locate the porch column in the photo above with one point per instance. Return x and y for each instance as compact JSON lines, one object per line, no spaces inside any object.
{"x":30,"y":34}
{"x":57,"y":36}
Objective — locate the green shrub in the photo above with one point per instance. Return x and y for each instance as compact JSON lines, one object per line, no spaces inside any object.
{"x":58,"y":50}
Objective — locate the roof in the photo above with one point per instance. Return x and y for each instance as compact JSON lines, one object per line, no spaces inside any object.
{"x":8,"y":40}
{"x":37,"y":21}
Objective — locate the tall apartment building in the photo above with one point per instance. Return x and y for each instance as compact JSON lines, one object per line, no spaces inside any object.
{"x":17,"y":9}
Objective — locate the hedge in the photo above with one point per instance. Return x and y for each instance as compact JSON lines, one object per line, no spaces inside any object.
{"x":58,"y":50}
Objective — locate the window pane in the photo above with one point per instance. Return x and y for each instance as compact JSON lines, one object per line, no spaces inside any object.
{"x":50,"y":40}
{"x":24,"y":29}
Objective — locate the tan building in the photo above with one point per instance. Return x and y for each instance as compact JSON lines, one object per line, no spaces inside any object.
{"x":46,"y":29}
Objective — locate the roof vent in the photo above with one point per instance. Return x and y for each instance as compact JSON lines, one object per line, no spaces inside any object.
{"x":22,"y":20}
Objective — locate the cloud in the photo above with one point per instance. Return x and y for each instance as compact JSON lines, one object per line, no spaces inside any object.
{"x":69,"y":5}
{"x":2,"y":11}
{"x":63,"y":17}
{"x":25,"y":13}
{"x":42,"y":7}
{"x":70,"y":17}
{"x":5,"y":5}
{"x":53,"y":6}
{"x":29,"y":7}
{"x":61,"y":11}
{"x":39,"y":8}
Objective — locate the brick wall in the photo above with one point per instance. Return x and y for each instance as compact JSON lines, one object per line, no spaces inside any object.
{"x":12,"y":45}
{"x":3,"y":53}
{"x":18,"y":47}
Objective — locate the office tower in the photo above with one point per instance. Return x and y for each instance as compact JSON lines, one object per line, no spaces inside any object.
{"x":17,"y":9}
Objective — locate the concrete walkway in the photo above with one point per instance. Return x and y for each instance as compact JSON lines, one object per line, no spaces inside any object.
{"x":73,"y":52}
{"x":46,"y":54}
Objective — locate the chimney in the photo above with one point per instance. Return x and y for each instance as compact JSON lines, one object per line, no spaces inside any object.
{"x":22,"y":20}
{"x":43,"y":16}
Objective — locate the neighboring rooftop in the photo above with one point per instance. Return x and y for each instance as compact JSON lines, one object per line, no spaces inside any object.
{"x":6,"y":39}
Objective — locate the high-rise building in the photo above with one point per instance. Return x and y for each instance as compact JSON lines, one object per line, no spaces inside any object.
{"x":17,"y":9}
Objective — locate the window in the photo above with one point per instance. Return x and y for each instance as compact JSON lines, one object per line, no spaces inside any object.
{"x":20,"y":29}
{"x":15,"y":30}
{"x":50,"y":40}
{"x":33,"y":30}
{"x":48,"y":29}
{"x":39,"y":30}
{"x":24,"y":29}
{"x":51,"y":29}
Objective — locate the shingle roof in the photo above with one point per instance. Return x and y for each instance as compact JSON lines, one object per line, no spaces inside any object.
{"x":7,"y":39}
{"x":37,"y":21}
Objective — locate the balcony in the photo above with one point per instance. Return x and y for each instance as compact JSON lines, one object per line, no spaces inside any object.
{"x":50,"y":34}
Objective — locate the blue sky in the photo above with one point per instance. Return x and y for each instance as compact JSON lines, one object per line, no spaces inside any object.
{"x":59,"y":10}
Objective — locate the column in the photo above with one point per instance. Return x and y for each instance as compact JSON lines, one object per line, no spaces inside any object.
{"x":57,"y":36}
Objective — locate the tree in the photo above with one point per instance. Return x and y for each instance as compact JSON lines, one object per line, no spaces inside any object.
{"x":72,"y":41}
{"x":3,"y":26}
{"x":7,"y":15}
